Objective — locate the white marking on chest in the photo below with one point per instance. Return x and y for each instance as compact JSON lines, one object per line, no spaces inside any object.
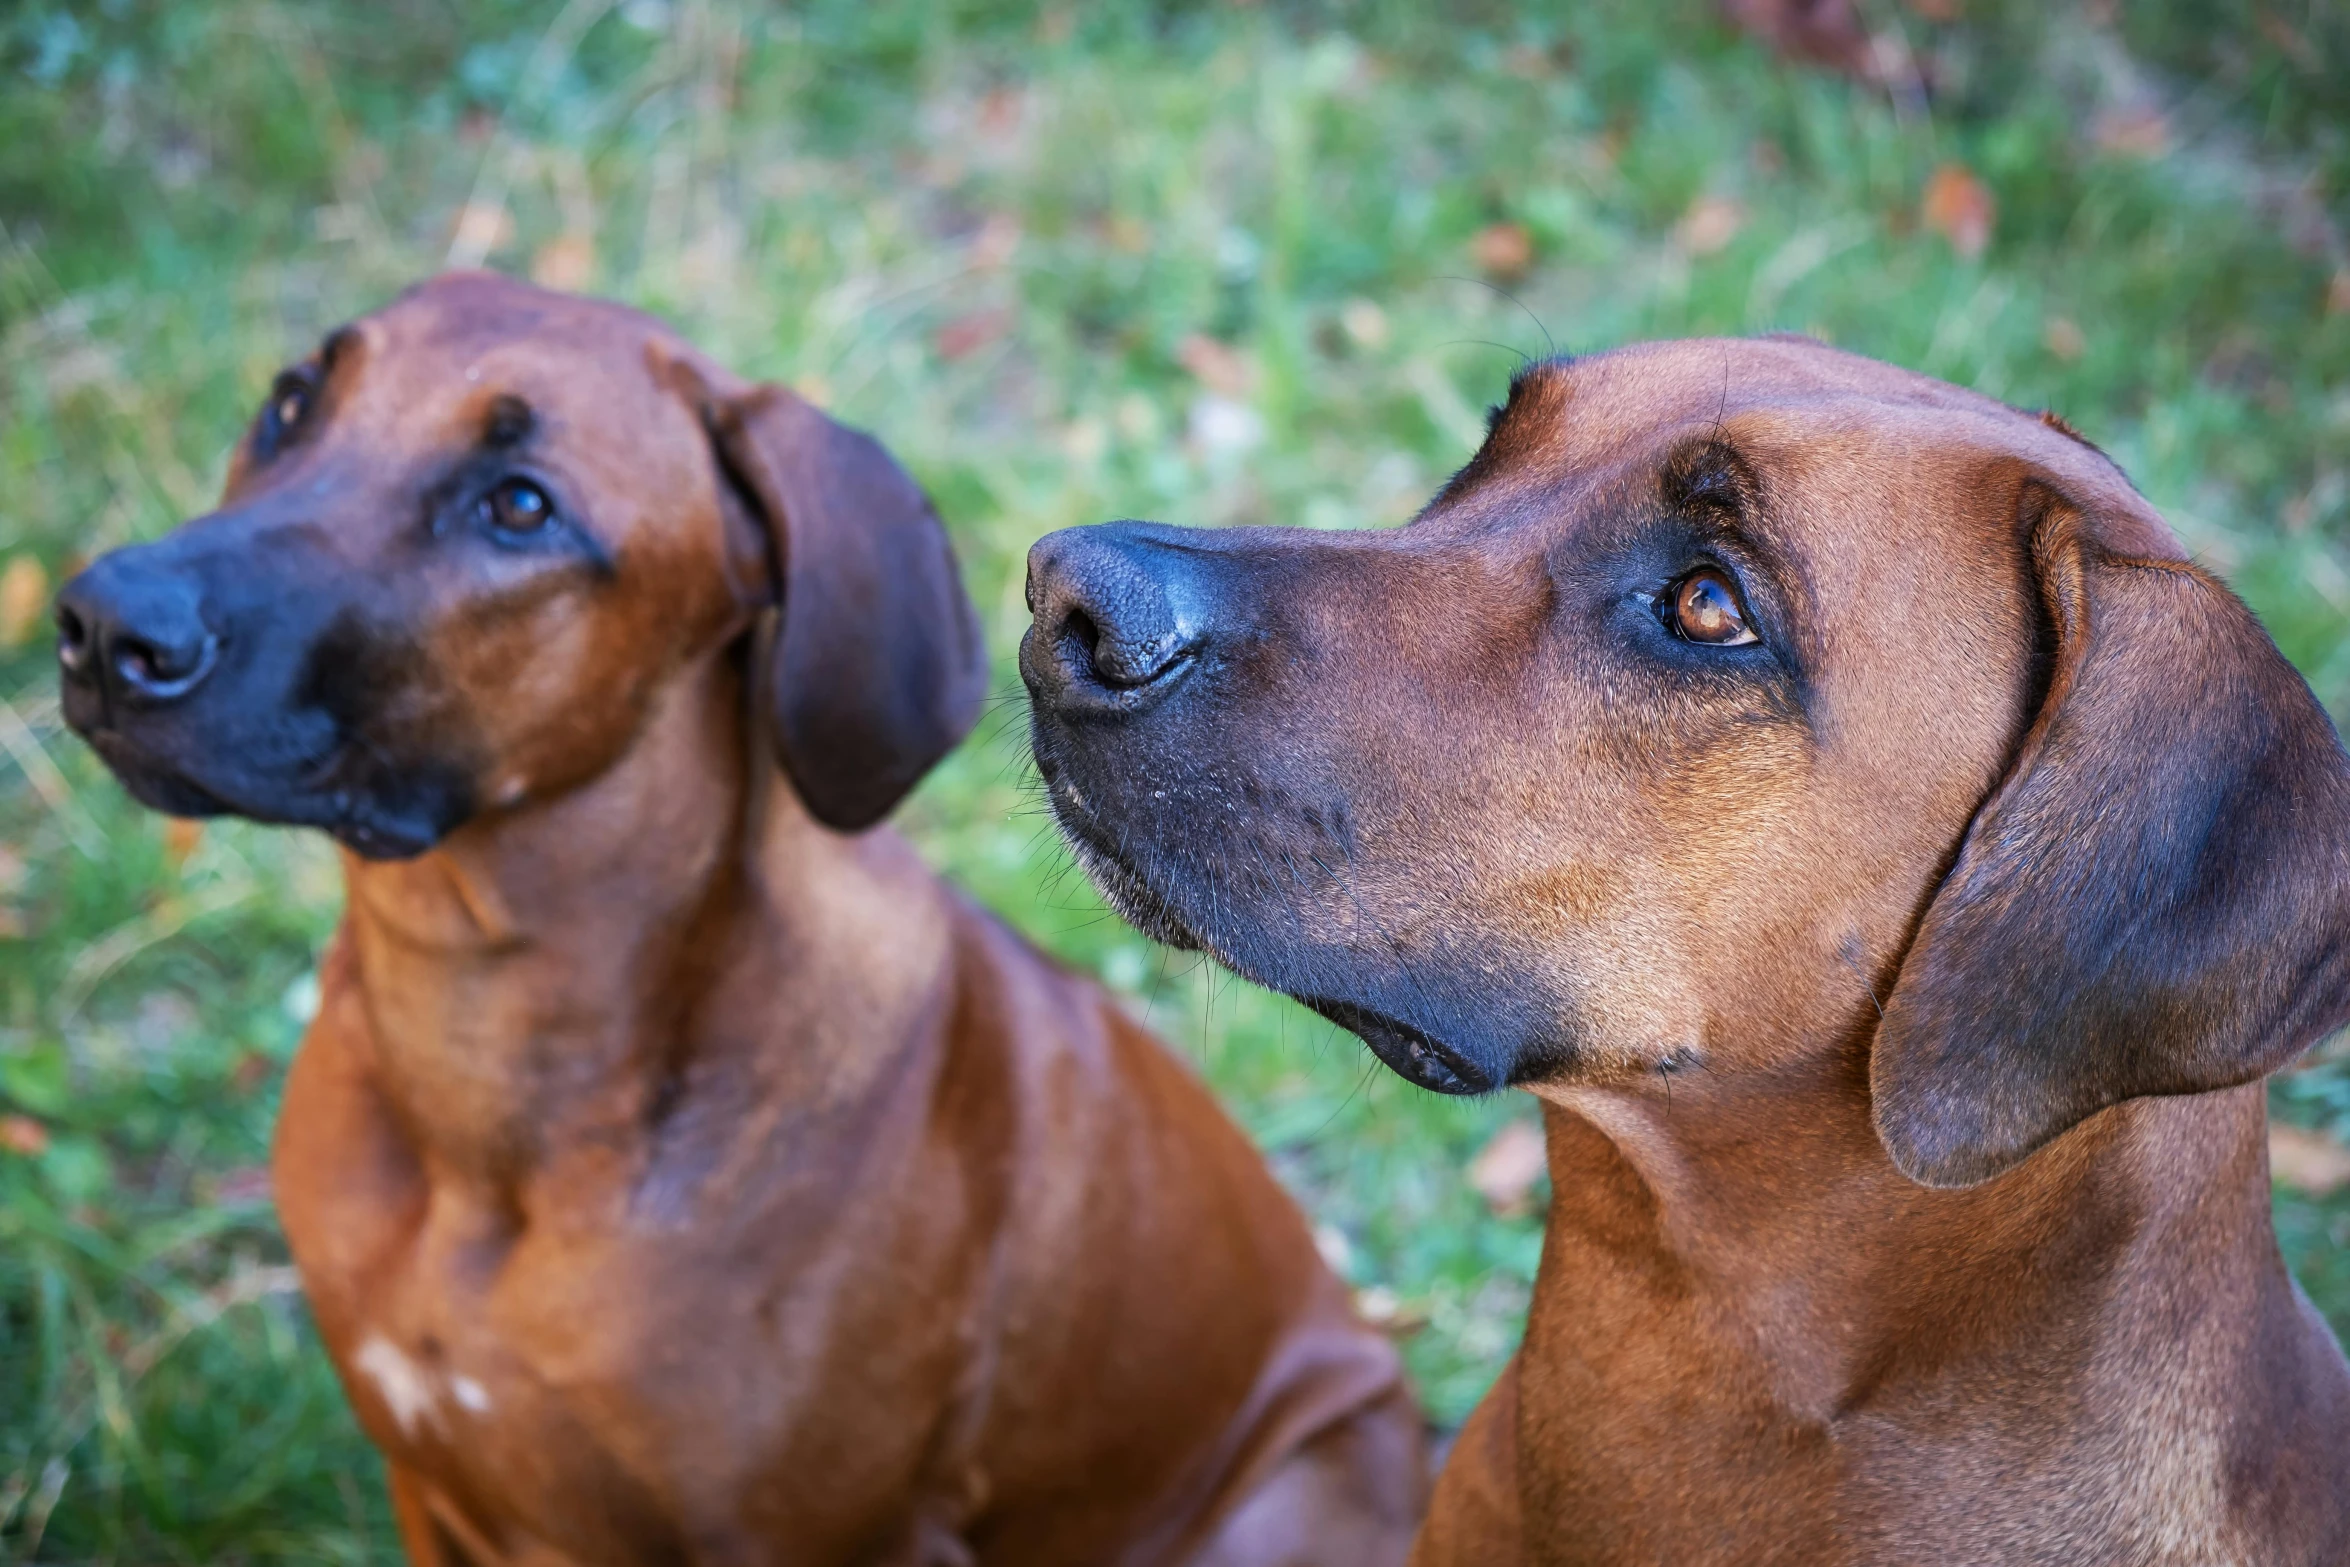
{"x":405,"y":1386}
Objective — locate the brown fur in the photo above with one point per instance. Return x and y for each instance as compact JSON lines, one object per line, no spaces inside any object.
{"x":1898,"y":987}
{"x":676,"y":1177}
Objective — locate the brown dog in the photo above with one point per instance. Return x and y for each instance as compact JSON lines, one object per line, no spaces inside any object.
{"x":680,"y":1173}
{"x":1895,"y":868}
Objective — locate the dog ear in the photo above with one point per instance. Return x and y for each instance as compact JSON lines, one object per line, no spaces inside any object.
{"x":2155,"y":900}
{"x":879,"y":665}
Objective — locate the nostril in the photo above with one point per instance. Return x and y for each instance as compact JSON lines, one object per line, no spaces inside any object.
{"x":1082,"y":639}
{"x":73,"y":640}
{"x":1123,"y":663}
{"x":136,"y":663}
{"x":1113,"y":618}
{"x":161,"y":670}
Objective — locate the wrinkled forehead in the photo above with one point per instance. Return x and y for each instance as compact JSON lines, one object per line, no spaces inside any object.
{"x":449,"y":356}
{"x":1834,"y":445}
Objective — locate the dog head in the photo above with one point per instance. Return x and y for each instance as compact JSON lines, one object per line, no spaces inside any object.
{"x":1738,"y":706}
{"x":465,"y":543}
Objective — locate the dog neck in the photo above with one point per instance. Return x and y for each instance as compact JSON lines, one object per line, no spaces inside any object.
{"x":545,"y":979}
{"x":1751,"y":1248}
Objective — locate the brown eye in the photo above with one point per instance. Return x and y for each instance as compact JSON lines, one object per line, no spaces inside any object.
{"x":517,"y":506}
{"x":289,"y":404}
{"x":1706,"y":609}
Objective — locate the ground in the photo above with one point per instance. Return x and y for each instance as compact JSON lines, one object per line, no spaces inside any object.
{"x":1202,"y":263}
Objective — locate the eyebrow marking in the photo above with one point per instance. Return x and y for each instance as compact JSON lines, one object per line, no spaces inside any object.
{"x":1709,"y":475}
{"x":510,"y":421}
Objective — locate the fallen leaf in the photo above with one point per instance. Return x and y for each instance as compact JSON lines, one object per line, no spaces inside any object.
{"x":483,"y":227}
{"x":1506,"y":1168}
{"x":2063,"y":339}
{"x":1527,"y":63}
{"x":1505,"y":250}
{"x":1389,"y":1312}
{"x":246,"y":1186}
{"x":1128,"y":234}
{"x":2132,"y":131}
{"x":1219,"y":367}
{"x":1001,"y":110}
{"x":1710,"y":223}
{"x":566,"y":262}
{"x":2309,"y":1162}
{"x":1959,"y":207}
{"x":1365,"y":322}
{"x":253,"y":1069}
{"x":968,"y":334}
{"x":2338,"y":293}
{"x":21,"y":1134}
{"x":1818,"y":32}
{"x":24,"y":595}
{"x":180,"y":837}
{"x":2292,"y":41}
{"x":993,"y":245}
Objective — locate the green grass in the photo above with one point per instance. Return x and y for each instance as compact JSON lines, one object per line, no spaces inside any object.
{"x":993,"y":235}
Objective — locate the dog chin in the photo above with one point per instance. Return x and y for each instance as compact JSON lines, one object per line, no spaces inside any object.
{"x":1409,"y":1052}
{"x":1129,"y":897}
{"x":367,"y":822}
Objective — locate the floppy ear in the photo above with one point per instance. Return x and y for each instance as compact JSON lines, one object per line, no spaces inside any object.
{"x":879,"y":666}
{"x":2153,"y":901}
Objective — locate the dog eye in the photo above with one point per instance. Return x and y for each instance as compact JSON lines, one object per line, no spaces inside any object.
{"x":1704,"y":608}
{"x":289,"y":404}
{"x":517,"y":506}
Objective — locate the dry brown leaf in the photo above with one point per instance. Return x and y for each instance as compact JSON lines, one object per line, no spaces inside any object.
{"x":567,"y":262}
{"x":21,"y":1134}
{"x":1128,"y":234}
{"x":180,"y":837}
{"x":2064,"y":339}
{"x":1818,"y":32}
{"x":2132,"y":131}
{"x":1710,"y":223}
{"x":483,"y":228}
{"x":1504,"y":250}
{"x":996,"y":240}
{"x":24,"y":596}
{"x":253,"y":1069}
{"x":2338,"y":293}
{"x":1364,"y":322}
{"x":1219,"y":367}
{"x":1959,"y":207}
{"x":968,"y":334}
{"x":246,"y":1184}
{"x":1506,"y":1168}
{"x":1389,"y":1312}
{"x":2309,"y":1162}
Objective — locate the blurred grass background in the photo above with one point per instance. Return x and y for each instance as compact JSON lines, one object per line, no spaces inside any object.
{"x":1204,"y":263}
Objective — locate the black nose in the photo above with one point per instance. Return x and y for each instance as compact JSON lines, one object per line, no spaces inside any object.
{"x":1120,"y":611}
{"x":134,"y":631}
